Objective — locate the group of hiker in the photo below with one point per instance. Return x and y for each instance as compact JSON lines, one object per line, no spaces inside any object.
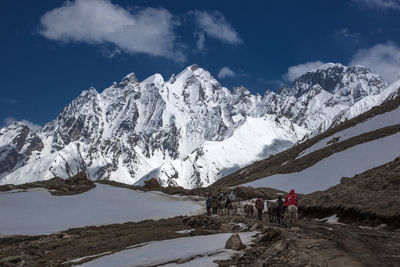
{"x":213,"y":203}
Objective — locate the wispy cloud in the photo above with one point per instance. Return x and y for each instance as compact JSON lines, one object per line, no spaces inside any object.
{"x":215,"y":25}
{"x":272,"y":83}
{"x":345,"y":33}
{"x":226,"y":72}
{"x":383,"y":59}
{"x":378,"y":4}
{"x":298,"y":70}
{"x":10,"y":120}
{"x":110,"y":52}
{"x":200,"y":44}
{"x":148,"y":30}
{"x":10,"y":101}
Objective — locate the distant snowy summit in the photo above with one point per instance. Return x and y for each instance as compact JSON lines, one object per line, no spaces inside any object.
{"x":189,"y":130}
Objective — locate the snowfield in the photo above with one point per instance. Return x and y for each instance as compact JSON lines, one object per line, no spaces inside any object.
{"x":255,"y":139}
{"x":206,"y":249}
{"x":38,"y":212}
{"x":380,"y":121}
{"x":328,"y":172}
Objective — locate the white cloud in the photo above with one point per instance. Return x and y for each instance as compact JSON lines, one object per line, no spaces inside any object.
{"x":111,"y":53}
{"x":345,"y":33}
{"x":33,"y":126}
{"x":378,"y":4}
{"x":226,"y":72}
{"x":298,"y":70}
{"x":383,"y":59}
{"x":216,"y":26}
{"x":200,"y":41}
{"x":149,"y":30}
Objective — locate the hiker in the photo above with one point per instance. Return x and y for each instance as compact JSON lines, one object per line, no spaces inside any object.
{"x":232,"y":196}
{"x":279,"y":209}
{"x":291,"y":199}
{"x":259,"y":206}
{"x":214,"y":205}
{"x":208,"y":205}
{"x":230,"y":199}
{"x":220,"y":195}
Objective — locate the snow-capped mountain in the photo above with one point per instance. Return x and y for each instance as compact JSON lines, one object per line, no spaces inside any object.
{"x":189,"y":130}
{"x":315,"y":99}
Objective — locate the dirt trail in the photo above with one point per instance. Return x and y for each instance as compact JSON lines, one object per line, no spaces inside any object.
{"x":373,"y":247}
{"x":313,"y":243}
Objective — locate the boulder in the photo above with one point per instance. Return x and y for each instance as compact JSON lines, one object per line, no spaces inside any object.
{"x":152,"y":184}
{"x":234,"y":242}
{"x":225,"y":228}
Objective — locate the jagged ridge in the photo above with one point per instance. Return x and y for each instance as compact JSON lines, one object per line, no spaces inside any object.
{"x":189,"y":130}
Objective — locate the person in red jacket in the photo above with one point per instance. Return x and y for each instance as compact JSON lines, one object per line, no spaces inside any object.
{"x":259,"y":206}
{"x":291,"y":199}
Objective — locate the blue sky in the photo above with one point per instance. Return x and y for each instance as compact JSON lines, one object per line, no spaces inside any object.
{"x":52,"y":51}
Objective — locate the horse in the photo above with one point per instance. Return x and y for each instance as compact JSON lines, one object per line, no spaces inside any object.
{"x":234,"y":206}
{"x":290,"y":216}
{"x":221,"y":206}
{"x":271,"y":206}
{"x":249,"y":209}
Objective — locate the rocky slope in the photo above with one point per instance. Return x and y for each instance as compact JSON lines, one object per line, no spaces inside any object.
{"x":367,"y":198}
{"x":189,"y":130}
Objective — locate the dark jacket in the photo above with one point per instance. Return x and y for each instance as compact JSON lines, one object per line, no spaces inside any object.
{"x":279,"y":206}
{"x":214,"y":203}
{"x":208,"y":202}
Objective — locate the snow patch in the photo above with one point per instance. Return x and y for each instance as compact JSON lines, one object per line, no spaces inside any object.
{"x":38,"y":212}
{"x":161,"y":252}
{"x":328,"y":171}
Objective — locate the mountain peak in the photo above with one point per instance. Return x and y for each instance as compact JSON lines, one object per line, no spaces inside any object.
{"x":333,"y":77}
{"x":130,"y":78}
{"x":194,"y":67}
{"x":240,"y":90}
{"x":155,"y":78}
{"x":89,"y":92}
{"x":329,"y":65}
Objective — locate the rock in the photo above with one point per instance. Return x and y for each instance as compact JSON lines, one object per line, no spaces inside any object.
{"x":225,"y":228}
{"x":65,"y":236}
{"x":182,"y":261}
{"x":152,"y":184}
{"x":270,"y":234}
{"x":234,"y":242}
{"x":278,"y":246}
{"x":257,"y":226}
{"x":12,"y":259}
{"x":259,"y":263}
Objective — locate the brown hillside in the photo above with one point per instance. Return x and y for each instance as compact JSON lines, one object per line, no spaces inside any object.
{"x":371,"y":197}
